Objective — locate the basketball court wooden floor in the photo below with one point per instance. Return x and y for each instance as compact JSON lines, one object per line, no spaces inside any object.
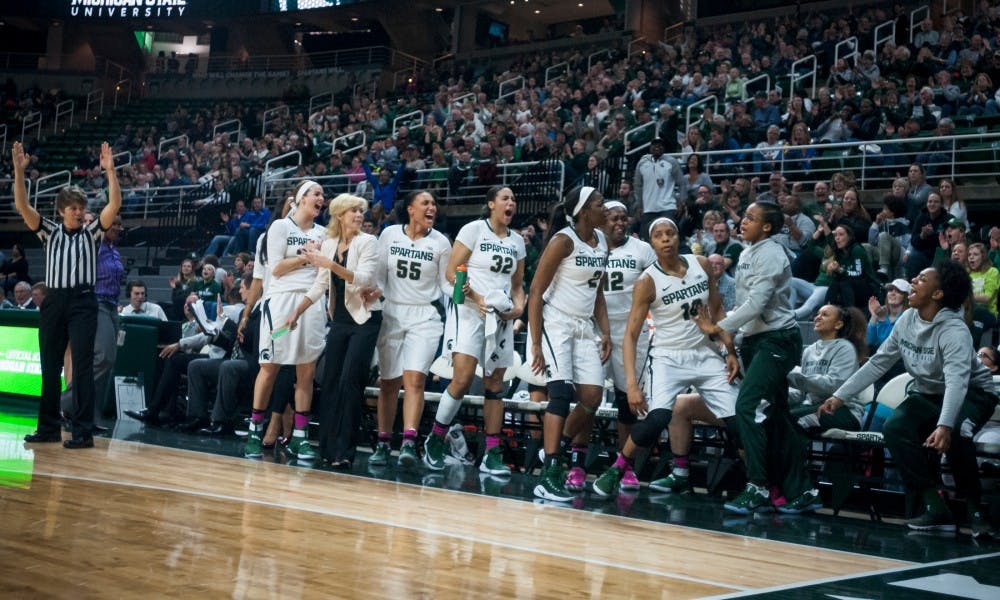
{"x":153,"y":514}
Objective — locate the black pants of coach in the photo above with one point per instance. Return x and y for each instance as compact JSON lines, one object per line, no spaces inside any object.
{"x":68,"y":316}
{"x":349,"y":350}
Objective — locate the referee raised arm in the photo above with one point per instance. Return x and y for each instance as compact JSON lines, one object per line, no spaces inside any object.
{"x":69,"y":311}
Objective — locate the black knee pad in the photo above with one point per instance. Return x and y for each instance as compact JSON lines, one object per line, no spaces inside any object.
{"x":491,"y":395}
{"x":646,"y":432}
{"x":560,"y":397}
{"x":625,"y":414}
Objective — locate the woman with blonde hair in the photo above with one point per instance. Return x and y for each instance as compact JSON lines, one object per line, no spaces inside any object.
{"x":347,"y":263}
{"x":952,"y":203}
{"x":284,"y":256}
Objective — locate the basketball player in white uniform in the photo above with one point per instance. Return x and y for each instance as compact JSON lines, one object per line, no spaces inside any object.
{"x":628,"y":257}
{"x":672,"y":291}
{"x":480,"y":330}
{"x":413,"y":259}
{"x":291,"y":276}
{"x":566,"y":295}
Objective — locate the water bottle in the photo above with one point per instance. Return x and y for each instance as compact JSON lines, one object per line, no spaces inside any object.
{"x":461,"y":275}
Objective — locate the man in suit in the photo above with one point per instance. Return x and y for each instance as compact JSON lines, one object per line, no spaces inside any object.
{"x":22,"y":297}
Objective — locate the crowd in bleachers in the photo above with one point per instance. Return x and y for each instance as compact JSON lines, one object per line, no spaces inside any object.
{"x":840,"y":252}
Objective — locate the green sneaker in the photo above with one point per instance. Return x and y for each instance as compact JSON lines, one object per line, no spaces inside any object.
{"x":493,"y":463}
{"x":753,"y":499}
{"x":435,"y":447}
{"x":933,"y":519}
{"x":380,"y":457}
{"x":255,"y":445}
{"x":408,"y":458}
{"x":301,"y":449}
{"x":552,"y":485}
{"x":672,"y":484}
{"x":607,"y":483}
{"x":979,"y":524}
{"x":808,"y":501}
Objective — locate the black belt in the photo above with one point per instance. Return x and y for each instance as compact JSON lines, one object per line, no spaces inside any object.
{"x":76,"y":290}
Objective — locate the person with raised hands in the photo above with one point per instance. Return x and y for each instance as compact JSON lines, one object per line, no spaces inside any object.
{"x":69,"y":311}
{"x":567,"y":293}
{"x":412,"y":267}
{"x":479,"y":330}
{"x":285,"y":254}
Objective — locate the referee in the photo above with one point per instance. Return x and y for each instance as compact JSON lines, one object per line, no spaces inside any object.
{"x":69,"y":311}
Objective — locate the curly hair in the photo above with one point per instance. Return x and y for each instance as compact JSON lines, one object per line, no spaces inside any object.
{"x":954,"y":283}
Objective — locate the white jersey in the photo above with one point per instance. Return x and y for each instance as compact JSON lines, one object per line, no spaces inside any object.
{"x":285,"y":240}
{"x":625,"y":264}
{"x":574,"y":286}
{"x":412,"y":271}
{"x":494,"y":259}
{"x":677,"y":302}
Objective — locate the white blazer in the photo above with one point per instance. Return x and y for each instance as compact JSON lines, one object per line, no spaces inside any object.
{"x":362,"y":260}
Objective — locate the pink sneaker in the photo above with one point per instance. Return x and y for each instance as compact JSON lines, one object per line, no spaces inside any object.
{"x":576,"y":480}
{"x":629,"y":481}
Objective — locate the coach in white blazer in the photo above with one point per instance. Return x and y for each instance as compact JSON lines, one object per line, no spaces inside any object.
{"x":347,"y":263}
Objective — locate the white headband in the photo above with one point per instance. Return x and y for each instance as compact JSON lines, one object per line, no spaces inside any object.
{"x":658,"y":221}
{"x":610,"y":204}
{"x":305,"y":187}
{"x":585,"y":193}
{"x":308,"y":183}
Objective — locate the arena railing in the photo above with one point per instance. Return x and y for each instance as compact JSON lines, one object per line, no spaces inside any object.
{"x":795,"y":75}
{"x":969,"y":158}
{"x":268,"y":63}
{"x":31,"y":122}
{"x":95,"y":104}
{"x":846,"y":49}
{"x":535,"y":185}
{"x":66,"y":108}
{"x":180,"y":141}
{"x":226,"y":127}
{"x":881,"y":38}
{"x":917,"y":15}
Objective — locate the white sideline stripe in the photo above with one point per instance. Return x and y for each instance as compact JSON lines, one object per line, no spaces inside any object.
{"x":793,"y":586}
{"x":504,"y":499}
{"x":332,"y":513}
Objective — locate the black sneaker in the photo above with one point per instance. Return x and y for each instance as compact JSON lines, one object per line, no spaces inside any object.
{"x":78,"y":443}
{"x":41,"y":437}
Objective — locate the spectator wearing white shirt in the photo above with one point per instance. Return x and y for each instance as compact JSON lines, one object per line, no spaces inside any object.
{"x":137,"y":304}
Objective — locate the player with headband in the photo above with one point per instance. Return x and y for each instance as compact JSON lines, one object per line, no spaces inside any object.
{"x":566,"y":295}
{"x":291,"y":276}
{"x":672,"y":291}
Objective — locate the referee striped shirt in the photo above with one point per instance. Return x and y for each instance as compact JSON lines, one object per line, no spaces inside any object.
{"x":70,"y":256}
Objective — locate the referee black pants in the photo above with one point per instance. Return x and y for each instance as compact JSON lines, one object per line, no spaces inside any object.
{"x":68,"y":316}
